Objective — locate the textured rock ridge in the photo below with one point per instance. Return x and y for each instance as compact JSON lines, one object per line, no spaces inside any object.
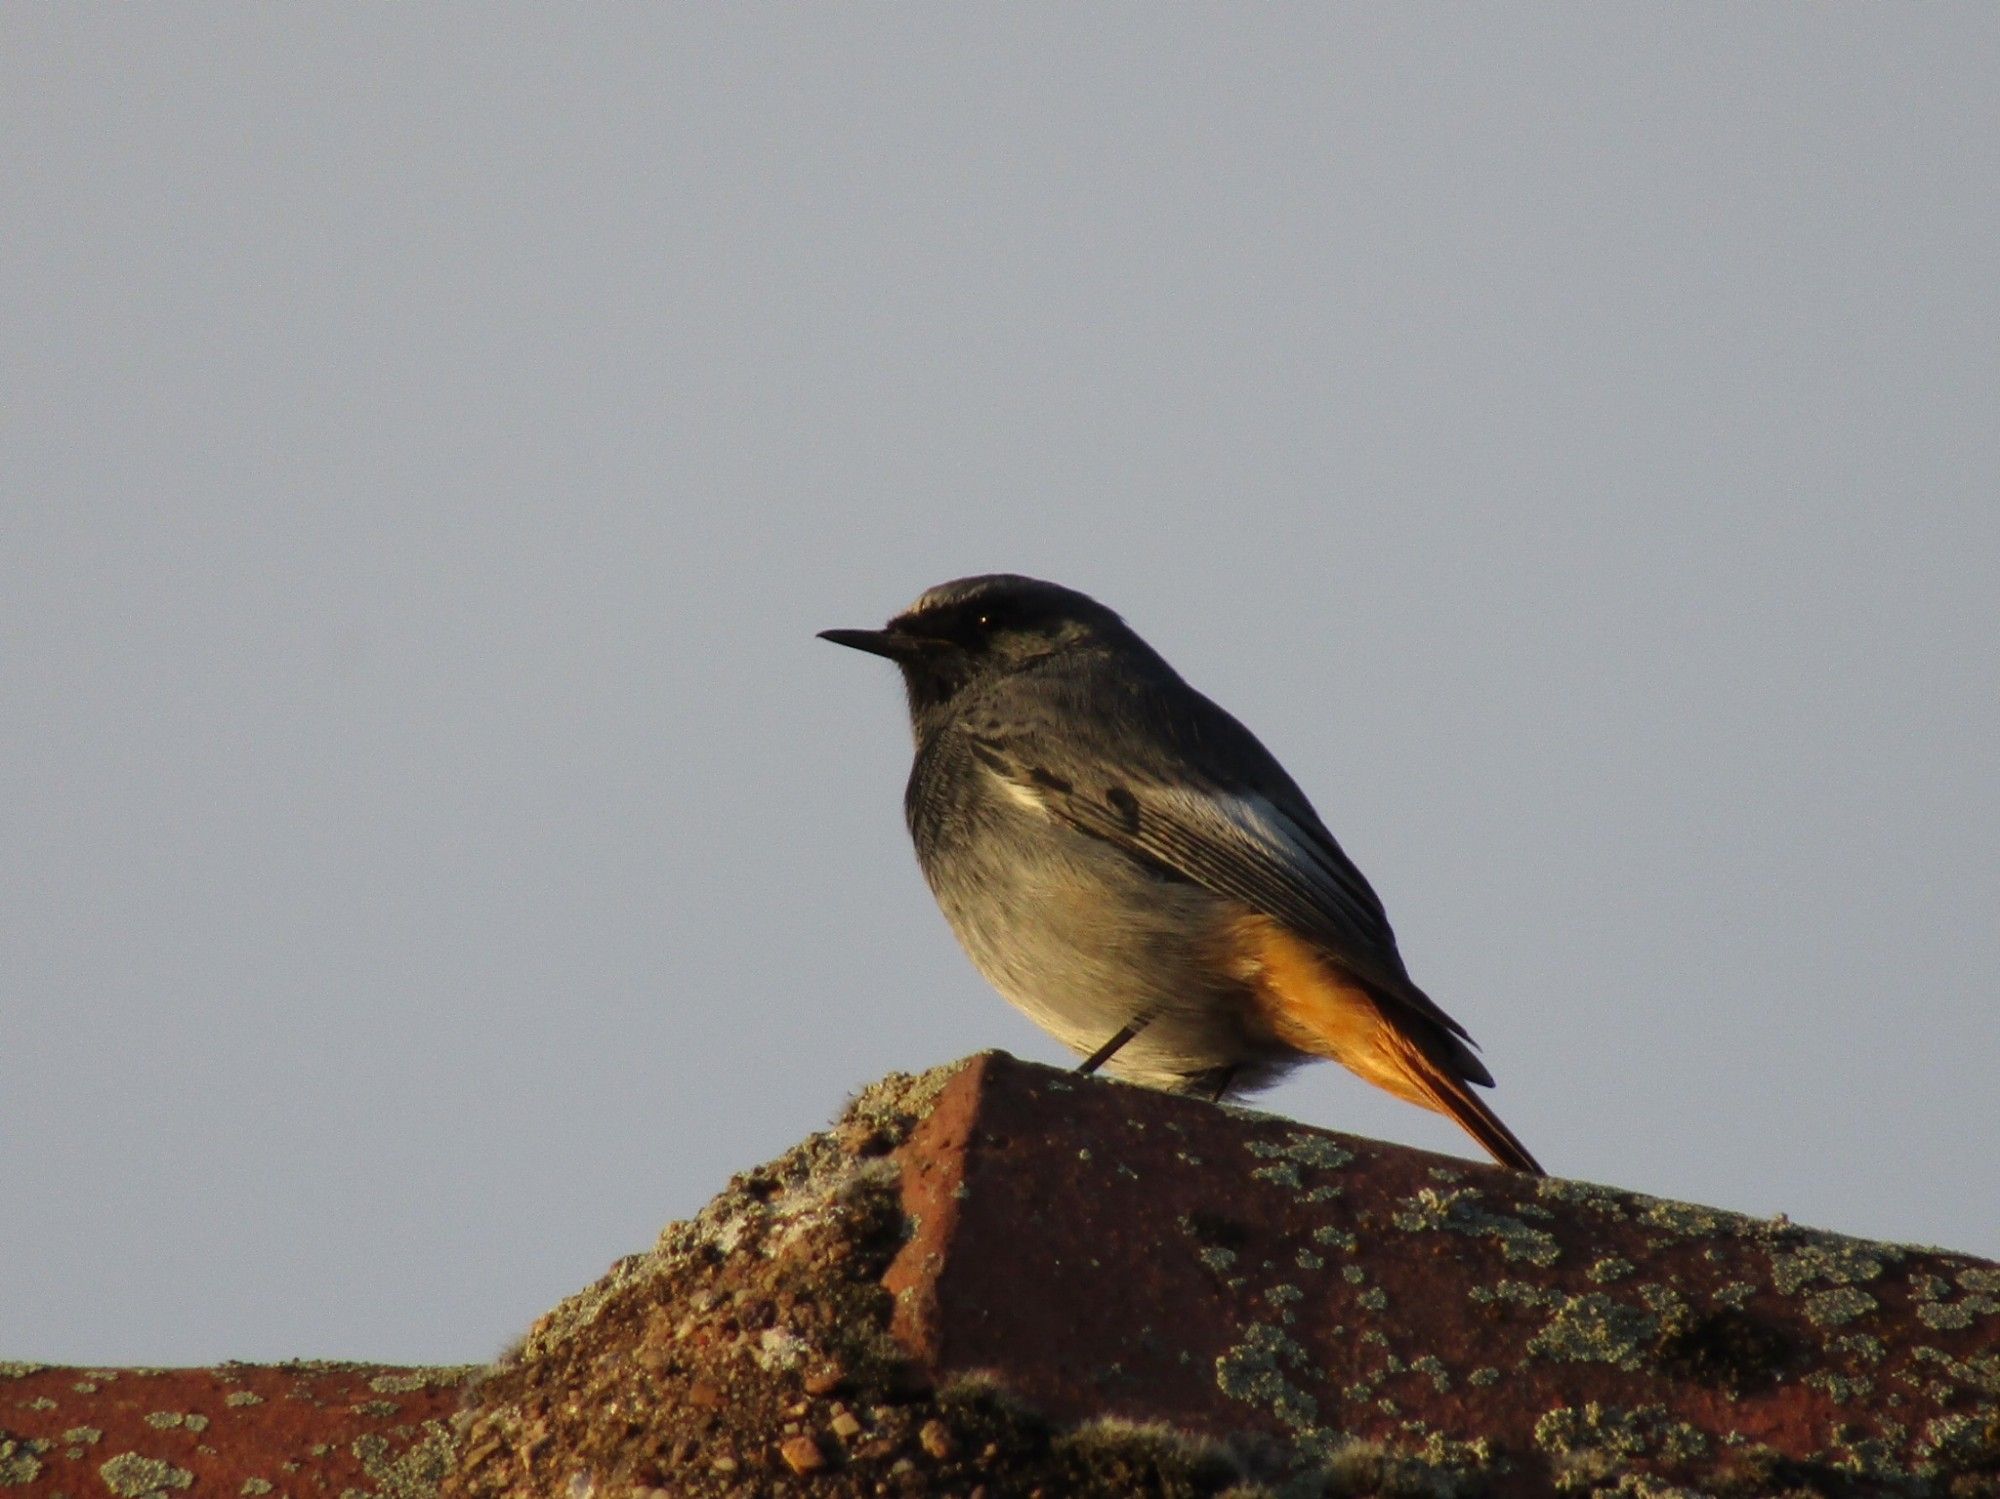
{"x":1002,"y":1278}
{"x":997,"y":1279}
{"x":279,"y":1429}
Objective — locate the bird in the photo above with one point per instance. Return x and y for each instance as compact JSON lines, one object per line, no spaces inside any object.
{"x":1130,"y":867}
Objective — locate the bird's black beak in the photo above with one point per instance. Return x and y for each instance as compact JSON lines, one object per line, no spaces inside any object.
{"x":875,"y":642}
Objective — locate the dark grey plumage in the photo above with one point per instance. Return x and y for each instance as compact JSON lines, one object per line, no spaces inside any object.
{"x":1110,"y":847}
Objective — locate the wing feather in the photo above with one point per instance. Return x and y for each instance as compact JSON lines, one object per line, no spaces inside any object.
{"x":1198,"y":795}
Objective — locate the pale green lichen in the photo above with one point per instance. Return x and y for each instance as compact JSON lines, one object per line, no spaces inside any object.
{"x":1840,"y":1305}
{"x":1485,"y":1375}
{"x":1314,"y":1152}
{"x":1460,"y":1211}
{"x":133,"y":1476}
{"x":1667,"y":1303}
{"x":1445,"y":1452}
{"x":18,"y":1368}
{"x":437,"y":1377}
{"x":1433,"y":1366}
{"x":1685,"y":1218}
{"x":1280,"y":1173}
{"x":419,"y":1472}
{"x":1589,"y":1443}
{"x":1589,"y":1328}
{"x":1254,"y":1372}
{"x":1864,"y":1346}
{"x":242,"y":1397}
{"x":168,"y":1420}
{"x":1307,"y":1260}
{"x":1596,"y":1328}
{"x":83,"y":1436}
{"x":1735,"y":1295}
{"x":1960,"y":1440}
{"x":1981,"y":1299}
{"x":1979,"y":1371}
{"x":1865,"y":1455}
{"x":1375,"y":1299}
{"x":1336,"y":1238}
{"x":1841,"y":1387}
{"x":1601,"y":1200}
{"x":1829,"y":1258}
{"x":1585,"y":1444}
{"x":19,"y":1461}
{"x":1611,"y":1267}
{"x":255,"y":1486}
{"x":1217,"y":1258}
{"x":1944,"y":1316}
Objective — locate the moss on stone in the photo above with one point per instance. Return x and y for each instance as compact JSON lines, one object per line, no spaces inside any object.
{"x":1460,"y":1210}
{"x":20,"y":1461}
{"x":132,"y":1475}
{"x":417,"y":1471}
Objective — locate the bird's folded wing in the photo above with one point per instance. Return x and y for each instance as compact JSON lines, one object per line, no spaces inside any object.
{"x":1240,"y":844}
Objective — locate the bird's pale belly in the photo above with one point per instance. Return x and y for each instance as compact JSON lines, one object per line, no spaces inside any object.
{"x":1083,"y":949}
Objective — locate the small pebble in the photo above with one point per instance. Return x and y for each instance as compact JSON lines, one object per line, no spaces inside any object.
{"x":824,"y":1380}
{"x":845,"y":1426}
{"x":937,"y":1440}
{"x":802,"y":1455}
{"x":724,"y":1465}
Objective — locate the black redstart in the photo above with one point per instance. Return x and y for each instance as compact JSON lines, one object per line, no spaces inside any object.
{"x":1129,"y":866}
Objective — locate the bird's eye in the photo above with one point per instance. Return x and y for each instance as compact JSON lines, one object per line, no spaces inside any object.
{"x":985,"y":621}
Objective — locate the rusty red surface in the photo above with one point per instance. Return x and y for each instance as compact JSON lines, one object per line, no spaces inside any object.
{"x":282,"y":1429}
{"x":1268,"y":1302}
{"x":1107,"y":1250}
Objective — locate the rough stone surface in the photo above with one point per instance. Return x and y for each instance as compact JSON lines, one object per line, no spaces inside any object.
{"x":997,"y":1279}
{"x":279,"y":1429}
{"x":1004,"y":1275}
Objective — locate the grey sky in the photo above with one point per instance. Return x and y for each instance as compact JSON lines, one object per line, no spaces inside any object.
{"x":438,"y":852}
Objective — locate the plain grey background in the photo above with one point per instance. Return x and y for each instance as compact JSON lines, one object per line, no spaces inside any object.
{"x":437,"y":852}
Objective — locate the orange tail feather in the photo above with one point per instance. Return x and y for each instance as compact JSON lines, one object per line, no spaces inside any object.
{"x":1310,"y":1004}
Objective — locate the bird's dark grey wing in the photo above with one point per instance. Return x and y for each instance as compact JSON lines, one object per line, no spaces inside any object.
{"x":1189,"y":788}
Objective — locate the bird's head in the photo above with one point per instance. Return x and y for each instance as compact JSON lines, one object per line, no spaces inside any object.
{"x":975,"y":630}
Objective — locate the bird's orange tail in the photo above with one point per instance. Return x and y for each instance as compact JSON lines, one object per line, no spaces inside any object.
{"x":1310,"y":1004}
{"x":1449,"y":1094}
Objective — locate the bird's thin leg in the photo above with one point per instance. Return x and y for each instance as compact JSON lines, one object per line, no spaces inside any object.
{"x":1112,"y":1047}
{"x":1221,"y":1077}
